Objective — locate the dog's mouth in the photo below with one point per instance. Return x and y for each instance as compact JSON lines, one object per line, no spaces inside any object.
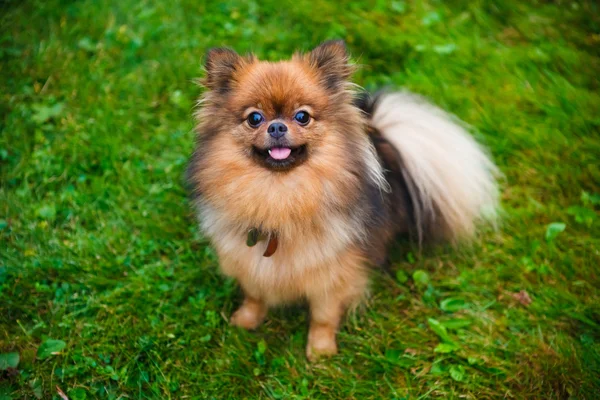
{"x":280,"y":158}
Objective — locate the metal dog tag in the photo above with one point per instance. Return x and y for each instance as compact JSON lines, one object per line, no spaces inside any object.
{"x":252,"y":238}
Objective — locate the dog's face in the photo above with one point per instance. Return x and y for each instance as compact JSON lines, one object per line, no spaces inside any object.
{"x":279,"y":114}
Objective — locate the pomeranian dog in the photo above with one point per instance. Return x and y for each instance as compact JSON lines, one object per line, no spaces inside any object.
{"x":301,"y":181}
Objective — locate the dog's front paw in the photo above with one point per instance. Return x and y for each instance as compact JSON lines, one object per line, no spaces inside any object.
{"x":248,"y":316}
{"x":321,"y":343}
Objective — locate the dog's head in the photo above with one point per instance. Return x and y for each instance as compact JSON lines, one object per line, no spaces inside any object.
{"x":279,"y":114}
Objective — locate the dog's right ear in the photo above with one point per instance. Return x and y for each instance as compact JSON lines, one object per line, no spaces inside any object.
{"x":331,"y":59}
{"x":220,"y":65}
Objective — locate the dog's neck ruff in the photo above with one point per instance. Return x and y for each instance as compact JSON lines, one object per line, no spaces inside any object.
{"x":255,"y":236}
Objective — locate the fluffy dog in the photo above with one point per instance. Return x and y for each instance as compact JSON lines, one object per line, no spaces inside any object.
{"x":301,"y":181}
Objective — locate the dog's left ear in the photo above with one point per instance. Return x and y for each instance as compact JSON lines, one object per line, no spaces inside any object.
{"x":331,"y":59}
{"x":221,"y":65}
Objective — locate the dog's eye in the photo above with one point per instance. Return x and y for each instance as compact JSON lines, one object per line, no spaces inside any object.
{"x":302,"y":117}
{"x":255,"y":119}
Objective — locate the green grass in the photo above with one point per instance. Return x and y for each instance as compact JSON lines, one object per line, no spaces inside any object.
{"x":100,"y":253}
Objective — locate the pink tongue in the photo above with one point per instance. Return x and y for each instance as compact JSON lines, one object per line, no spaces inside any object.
{"x":280,"y":153}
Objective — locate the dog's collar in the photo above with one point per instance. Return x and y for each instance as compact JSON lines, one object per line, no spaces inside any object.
{"x":255,"y":236}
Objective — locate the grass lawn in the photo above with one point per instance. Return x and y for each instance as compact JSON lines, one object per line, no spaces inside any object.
{"x":108,"y":290}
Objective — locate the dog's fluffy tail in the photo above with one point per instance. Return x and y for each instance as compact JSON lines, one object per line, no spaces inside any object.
{"x":450,"y":178}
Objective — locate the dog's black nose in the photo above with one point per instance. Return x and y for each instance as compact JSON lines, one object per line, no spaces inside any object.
{"x":277,"y":130}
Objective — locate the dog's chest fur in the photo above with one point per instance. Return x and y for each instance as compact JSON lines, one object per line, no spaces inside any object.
{"x":310,"y":257}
